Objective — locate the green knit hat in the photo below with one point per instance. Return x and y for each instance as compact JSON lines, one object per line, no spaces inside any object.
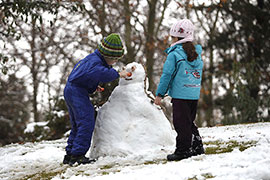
{"x":111,"y":46}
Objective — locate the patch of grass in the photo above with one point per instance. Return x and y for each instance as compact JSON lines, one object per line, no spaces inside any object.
{"x":42,"y":176}
{"x":149,"y":162}
{"x":107,"y":169}
{"x":109,"y":166}
{"x":208,"y":176}
{"x":45,"y":175}
{"x":48,"y":175}
{"x":217,"y":147}
{"x":193,"y":178}
{"x":157,"y":161}
{"x":105,"y":173}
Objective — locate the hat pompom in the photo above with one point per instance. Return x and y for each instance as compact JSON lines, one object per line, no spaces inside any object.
{"x":111,"y":46}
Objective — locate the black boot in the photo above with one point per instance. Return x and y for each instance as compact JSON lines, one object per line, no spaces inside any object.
{"x":66,"y":159}
{"x":80,"y":160}
{"x":198,"y":150}
{"x":197,"y":145}
{"x":179,"y":155}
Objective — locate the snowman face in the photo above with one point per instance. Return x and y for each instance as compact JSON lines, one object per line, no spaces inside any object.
{"x":138,"y":74}
{"x":131,"y":70}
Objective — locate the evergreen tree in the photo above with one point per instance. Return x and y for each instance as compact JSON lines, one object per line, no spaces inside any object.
{"x":14,"y":112}
{"x":244,"y":48}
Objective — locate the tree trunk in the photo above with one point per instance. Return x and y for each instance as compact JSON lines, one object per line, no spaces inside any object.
{"x":209,"y":110}
{"x":34,"y":72}
{"x":128,"y":32}
{"x":150,"y":44}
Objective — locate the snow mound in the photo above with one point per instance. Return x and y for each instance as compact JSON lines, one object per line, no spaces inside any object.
{"x":31,"y":126}
{"x":129,"y":124}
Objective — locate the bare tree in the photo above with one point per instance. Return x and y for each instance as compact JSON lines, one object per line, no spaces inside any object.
{"x":45,"y":49}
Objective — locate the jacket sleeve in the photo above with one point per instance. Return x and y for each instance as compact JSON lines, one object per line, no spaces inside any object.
{"x":105,"y":74}
{"x":166,"y":77}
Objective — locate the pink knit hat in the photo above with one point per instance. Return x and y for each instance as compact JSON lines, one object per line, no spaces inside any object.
{"x":183,"y":28}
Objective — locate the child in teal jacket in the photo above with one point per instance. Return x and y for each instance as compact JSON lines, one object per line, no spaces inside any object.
{"x":181,"y":79}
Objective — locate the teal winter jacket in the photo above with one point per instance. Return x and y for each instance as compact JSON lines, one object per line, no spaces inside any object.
{"x":180,"y":78}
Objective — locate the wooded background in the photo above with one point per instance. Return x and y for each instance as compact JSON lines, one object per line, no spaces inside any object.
{"x":41,"y":41}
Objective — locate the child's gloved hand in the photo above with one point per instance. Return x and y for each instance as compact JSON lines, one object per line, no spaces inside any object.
{"x":100,"y":89}
{"x":124,"y":74}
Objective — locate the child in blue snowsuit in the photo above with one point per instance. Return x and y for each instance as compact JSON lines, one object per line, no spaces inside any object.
{"x":82,"y":81}
{"x":181,"y":78}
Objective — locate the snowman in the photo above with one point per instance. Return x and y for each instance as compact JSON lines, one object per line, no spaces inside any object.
{"x":128,"y":123}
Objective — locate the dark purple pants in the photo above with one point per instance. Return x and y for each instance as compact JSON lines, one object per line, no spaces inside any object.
{"x":184,"y":114}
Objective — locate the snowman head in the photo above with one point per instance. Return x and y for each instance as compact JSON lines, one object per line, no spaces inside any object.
{"x":138,"y":74}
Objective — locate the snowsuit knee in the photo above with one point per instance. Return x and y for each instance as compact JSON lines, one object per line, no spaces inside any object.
{"x":84,"y":80}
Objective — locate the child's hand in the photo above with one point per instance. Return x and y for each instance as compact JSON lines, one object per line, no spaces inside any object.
{"x":100,"y":89}
{"x":124,"y":74}
{"x":158,"y":100}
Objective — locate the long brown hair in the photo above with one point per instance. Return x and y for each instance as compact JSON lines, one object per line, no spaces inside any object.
{"x":190,"y":50}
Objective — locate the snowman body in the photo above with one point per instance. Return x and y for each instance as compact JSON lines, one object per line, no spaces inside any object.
{"x":128,"y":123}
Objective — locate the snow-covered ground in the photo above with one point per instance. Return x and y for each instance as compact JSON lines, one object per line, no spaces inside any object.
{"x":248,"y":160}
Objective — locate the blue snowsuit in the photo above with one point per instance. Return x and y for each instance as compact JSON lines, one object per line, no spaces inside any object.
{"x":82,"y":81}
